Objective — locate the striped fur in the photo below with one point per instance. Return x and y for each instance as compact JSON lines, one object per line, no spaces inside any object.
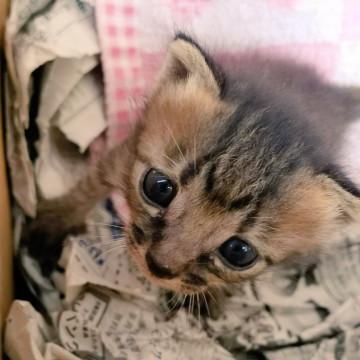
{"x":251,"y":145}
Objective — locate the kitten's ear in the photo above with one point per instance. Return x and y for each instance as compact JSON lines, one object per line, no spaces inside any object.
{"x":186,"y":60}
{"x":345,"y":190}
{"x":336,"y":174}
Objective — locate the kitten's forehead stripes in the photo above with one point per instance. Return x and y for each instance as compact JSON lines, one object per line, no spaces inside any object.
{"x":189,"y":172}
{"x":210,"y":178}
{"x":250,"y":218}
{"x":194,"y":168}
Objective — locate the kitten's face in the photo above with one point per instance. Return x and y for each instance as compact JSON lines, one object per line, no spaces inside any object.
{"x":213,"y":198}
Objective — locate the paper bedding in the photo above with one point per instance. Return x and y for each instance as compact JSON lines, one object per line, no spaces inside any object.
{"x":77,"y":75}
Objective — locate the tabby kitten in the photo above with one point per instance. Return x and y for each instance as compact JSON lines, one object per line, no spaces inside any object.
{"x":231,"y":169}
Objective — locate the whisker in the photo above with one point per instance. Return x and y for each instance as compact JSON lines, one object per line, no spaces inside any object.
{"x":172,"y":298}
{"x":190,"y":299}
{"x":105,"y":224}
{"x":206,"y":303}
{"x":109,"y":245}
{"x":175,"y":142}
{"x":170,"y":159}
{"x":106,"y":251}
{"x":116,"y":244}
{"x":212,"y":296}
{"x":193,"y":304}
{"x":178,"y":301}
{"x":195,"y":153}
{"x":182,"y":298}
{"x":189,"y":303}
{"x":183,"y":302}
{"x":173,"y":306}
{"x":110,"y":242}
{"x":115,"y":238}
{"x":198,"y":306}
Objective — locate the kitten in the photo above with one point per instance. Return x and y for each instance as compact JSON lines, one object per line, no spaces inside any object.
{"x":230,"y":170}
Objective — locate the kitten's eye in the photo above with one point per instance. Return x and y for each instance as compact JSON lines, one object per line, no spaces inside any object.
{"x":237,"y":253}
{"x":158,"y":188}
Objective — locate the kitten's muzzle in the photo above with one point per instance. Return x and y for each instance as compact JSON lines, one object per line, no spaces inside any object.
{"x":158,"y":270}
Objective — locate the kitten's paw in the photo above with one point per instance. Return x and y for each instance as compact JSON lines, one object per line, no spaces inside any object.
{"x":44,"y":236}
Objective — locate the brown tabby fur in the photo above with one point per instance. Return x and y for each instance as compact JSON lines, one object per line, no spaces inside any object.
{"x":252,"y":148}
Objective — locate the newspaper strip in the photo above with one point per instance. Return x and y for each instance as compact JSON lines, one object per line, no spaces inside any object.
{"x":296,"y":313}
{"x":37,"y":33}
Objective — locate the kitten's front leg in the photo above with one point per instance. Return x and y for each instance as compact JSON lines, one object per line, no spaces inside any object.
{"x":57,"y":218}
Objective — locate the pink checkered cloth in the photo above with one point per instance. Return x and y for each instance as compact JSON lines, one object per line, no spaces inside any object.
{"x":134,"y":35}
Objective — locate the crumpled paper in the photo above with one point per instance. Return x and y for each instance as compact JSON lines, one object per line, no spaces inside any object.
{"x":58,"y":38}
{"x":102,"y":307}
{"x":110,"y":311}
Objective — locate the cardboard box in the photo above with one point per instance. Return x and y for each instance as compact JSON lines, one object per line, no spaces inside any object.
{"x":6,"y":286}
